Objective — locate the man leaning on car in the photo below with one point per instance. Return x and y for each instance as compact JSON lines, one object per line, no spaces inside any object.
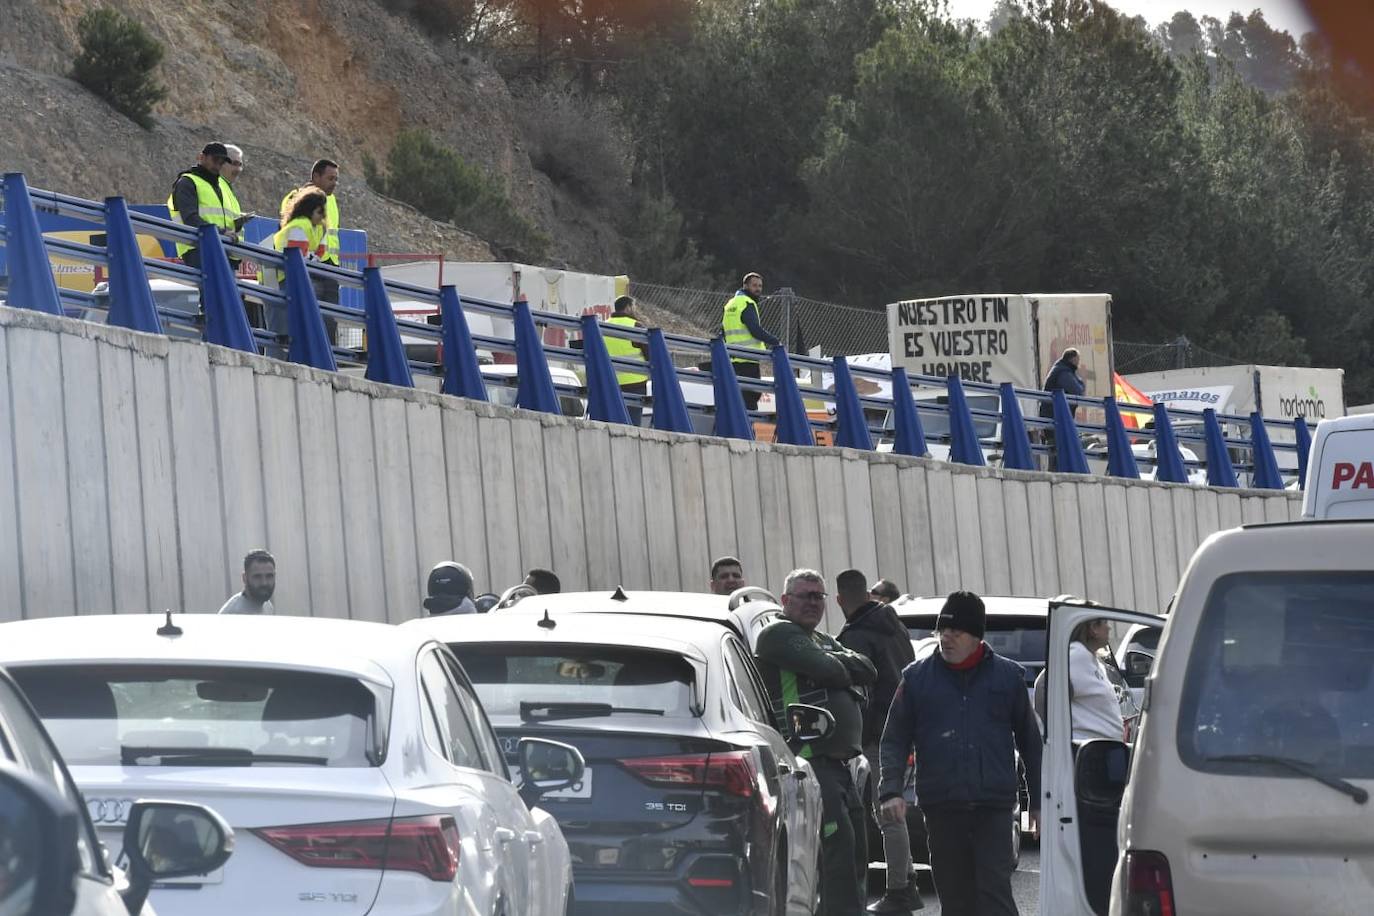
{"x":802,"y":665}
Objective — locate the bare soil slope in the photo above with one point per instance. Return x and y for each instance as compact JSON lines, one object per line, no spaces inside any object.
{"x":289,"y":81}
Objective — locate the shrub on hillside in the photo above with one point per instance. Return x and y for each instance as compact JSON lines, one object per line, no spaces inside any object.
{"x":442,"y":185}
{"x":117,"y":61}
{"x":578,"y":142}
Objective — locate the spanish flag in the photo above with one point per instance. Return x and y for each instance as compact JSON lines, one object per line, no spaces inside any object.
{"x":1126,"y":393}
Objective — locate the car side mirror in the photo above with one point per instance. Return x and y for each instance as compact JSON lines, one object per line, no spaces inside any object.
{"x":548,"y":766}
{"x":167,"y":839}
{"x":1138,"y":666}
{"x":38,"y":858}
{"x":1100,"y":773}
{"x":809,"y":723}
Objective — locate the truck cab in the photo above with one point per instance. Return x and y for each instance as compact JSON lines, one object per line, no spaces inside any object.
{"x":1340,"y":469}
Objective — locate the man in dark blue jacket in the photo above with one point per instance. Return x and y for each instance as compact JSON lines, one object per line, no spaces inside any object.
{"x":963,"y":710}
{"x":1063,"y":376}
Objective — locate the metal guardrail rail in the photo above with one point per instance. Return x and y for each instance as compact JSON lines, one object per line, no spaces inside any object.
{"x":970,"y":422}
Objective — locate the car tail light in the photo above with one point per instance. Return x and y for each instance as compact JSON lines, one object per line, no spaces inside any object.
{"x":732,"y":772}
{"x":1149,"y":886}
{"x":428,"y":844}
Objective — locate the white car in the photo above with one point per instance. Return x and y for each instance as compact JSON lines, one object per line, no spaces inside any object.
{"x":352,"y":759}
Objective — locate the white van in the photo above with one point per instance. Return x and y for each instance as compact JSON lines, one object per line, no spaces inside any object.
{"x":1248,"y":787}
{"x":1340,"y":469}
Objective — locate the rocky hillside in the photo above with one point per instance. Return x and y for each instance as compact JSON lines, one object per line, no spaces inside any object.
{"x":289,"y":82}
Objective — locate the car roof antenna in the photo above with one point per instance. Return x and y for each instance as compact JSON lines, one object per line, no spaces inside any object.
{"x":169,"y":628}
{"x":548,"y":622}
{"x":619,"y":594}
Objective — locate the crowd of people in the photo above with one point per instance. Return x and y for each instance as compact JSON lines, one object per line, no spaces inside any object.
{"x":962,"y":714}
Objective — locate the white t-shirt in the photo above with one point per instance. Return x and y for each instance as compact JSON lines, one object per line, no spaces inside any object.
{"x":1095,"y":711}
{"x":239,"y":604}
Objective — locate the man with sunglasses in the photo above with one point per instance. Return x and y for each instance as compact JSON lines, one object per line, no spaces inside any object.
{"x":198,"y":199}
{"x":800,"y":664}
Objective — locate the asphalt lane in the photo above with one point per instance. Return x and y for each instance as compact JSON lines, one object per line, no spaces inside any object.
{"x":1025,"y":885}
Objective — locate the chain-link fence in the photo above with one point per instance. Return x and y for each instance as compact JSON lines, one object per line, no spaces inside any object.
{"x":1180,"y":353}
{"x":839,"y":330}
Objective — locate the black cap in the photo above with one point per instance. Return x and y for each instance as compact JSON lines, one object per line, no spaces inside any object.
{"x":449,"y":584}
{"x":963,"y":611}
{"x":215,"y":148}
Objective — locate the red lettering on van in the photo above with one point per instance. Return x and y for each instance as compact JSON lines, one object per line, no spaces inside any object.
{"x":1361,"y":475}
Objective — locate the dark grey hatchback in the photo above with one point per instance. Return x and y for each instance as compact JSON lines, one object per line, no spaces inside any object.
{"x":692,"y":802}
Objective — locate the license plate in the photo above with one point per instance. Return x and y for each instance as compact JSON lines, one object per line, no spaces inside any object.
{"x":578,"y":791}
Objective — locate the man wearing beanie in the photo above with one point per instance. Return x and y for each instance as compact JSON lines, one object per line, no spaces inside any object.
{"x":801,"y":665}
{"x":450,"y":590}
{"x":963,"y":710}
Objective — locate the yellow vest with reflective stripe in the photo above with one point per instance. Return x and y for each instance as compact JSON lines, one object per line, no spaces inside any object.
{"x":736,"y":334}
{"x":211,"y":206}
{"x":231,"y":203}
{"x":331,"y":220}
{"x":619,"y":347}
{"x":313,"y":234}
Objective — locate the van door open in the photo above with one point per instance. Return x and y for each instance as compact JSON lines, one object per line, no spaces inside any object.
{"x":1081,"y":787}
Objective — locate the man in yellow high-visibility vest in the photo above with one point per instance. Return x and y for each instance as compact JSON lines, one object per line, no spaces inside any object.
{"x":324,"y":176}
{"x":741,"y":327}
{"x":631,"y":383}
{"x":197,"y":199}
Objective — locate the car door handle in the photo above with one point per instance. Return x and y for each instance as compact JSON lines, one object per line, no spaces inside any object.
{"x":504,"y":835}
{"x":783,"y":769}
{"x":798,"y":774}
{"x":533,"y":837}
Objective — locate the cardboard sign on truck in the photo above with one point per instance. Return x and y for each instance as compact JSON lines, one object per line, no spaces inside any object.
{"x":1004,"y":337}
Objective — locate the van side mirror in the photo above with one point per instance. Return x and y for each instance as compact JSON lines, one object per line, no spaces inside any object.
{"x":808,"y":724}
{"x":38,"y":858}
{"x":168,"y":839}
{"x":1100,"y":773}
{"x":548,"y":766}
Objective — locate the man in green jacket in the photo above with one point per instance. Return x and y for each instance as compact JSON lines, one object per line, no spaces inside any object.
{"x":802,"y":665}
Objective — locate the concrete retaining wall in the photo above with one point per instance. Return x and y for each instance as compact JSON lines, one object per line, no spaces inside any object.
{"x":136,"y":471}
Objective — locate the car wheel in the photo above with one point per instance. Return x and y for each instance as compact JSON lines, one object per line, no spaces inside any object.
{"x":1016,"y":839}
{"x":777,"y":904}
{"x":571,"y":905}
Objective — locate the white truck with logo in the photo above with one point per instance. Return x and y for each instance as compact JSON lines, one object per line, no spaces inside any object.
{"x":1277,"y":392}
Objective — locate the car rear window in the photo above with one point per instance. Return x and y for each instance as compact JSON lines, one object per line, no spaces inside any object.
{"x":1281,"y":666}
{"x":628,"y":679}
{"x":148,"y":715}
{"x":1022,"y":639}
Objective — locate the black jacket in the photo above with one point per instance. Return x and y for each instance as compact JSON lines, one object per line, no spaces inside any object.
{"x":876,"y":631}
{"x":963,"y":726}
{"x":1062,"y":377}
{"x":186,"y":199}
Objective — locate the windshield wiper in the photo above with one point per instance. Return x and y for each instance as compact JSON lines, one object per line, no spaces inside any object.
{"x":573,"y":710}
{"x":1301,"y":767}
{"x":213,"y":756}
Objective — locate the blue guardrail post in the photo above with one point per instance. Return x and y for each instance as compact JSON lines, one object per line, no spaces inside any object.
{"x":669,"y":406}
{"x":732,"y":419}
{"x":793,"y":428}
{"x":964,"y":446}
{"x":131,"y":297}
{"x":910,"y":438}
{"x":605,"y":402}
{"x":31,"y":281}
{"x":386,"y":357}
{"x":309,"y":340}
{"x":462,"y":373}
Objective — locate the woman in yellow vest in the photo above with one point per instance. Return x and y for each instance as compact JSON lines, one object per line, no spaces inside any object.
{"x":632,"y":383}
{"x":304,"y":226}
